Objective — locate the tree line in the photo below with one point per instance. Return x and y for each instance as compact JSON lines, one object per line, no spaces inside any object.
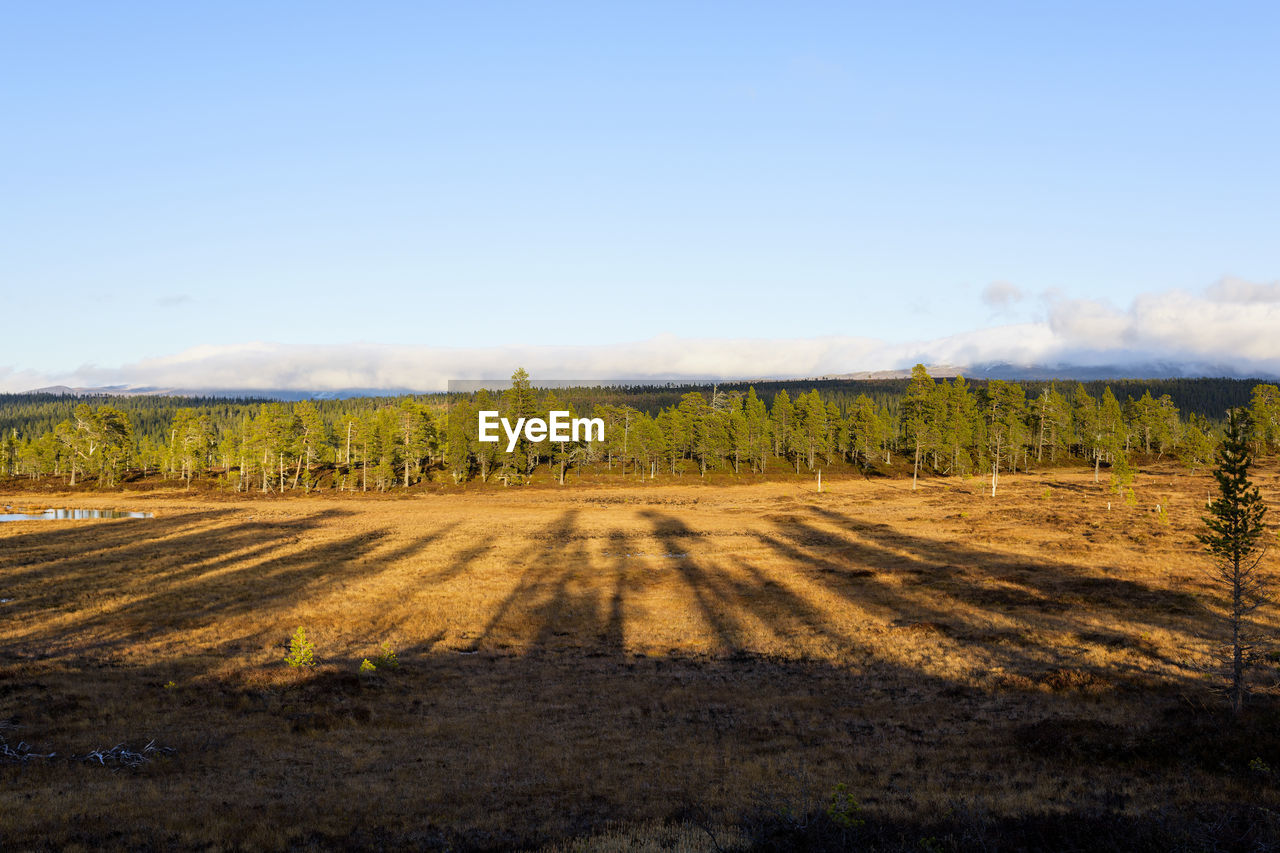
{"x":938,"y":428}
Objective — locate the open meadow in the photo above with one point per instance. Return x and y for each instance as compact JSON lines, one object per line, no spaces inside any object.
{"x":700,"y":666}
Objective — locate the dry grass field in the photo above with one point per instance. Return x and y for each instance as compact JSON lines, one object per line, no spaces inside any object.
{"x":670,"y":667}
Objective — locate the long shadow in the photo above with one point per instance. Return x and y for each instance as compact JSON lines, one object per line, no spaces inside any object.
{"x":1046,"y":580}
{"x":191,"y":571}
{"x":558,"y":599}
{"x":561,"y":594}
{"x":41,"y":551}
{"x":531,"y":581}
{"x":572,"y":735}
{"x":730,"y":593}
{"x":674,"y":536}
{"x":167,"y":553}
{"x":965,"y":589}
{"x":178,"y":577}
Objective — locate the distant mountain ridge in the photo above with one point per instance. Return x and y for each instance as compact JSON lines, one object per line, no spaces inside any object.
{"x":991,"y":370}
{"x":290,"y":394}
{"x":1068,"y":372}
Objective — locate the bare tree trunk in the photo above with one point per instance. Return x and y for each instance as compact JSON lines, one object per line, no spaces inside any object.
{"x":1237,"y":664}
{"x":1237,"y":645}
{"x":995,"y":469}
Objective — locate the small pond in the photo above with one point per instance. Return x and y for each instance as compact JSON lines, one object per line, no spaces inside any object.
{"x":69,"y":514}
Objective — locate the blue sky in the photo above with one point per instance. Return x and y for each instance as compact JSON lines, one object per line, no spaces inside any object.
{"x":520,"y":175}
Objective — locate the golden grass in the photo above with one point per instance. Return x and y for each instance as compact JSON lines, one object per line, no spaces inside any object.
{"x":576,"y":662}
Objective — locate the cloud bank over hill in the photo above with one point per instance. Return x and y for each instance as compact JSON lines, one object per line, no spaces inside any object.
{"x":1231,"y":328}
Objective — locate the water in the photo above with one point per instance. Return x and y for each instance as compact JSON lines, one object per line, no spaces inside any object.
{"x":69,"y":514}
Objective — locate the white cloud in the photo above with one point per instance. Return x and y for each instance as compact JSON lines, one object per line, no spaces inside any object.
{"x":1088,"y":324}
{"x":1232,"y":289}
{"x":1001,"y":295}
{"x":1219,"y":331}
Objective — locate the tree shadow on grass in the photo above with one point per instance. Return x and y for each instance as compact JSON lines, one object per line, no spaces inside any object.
{"x":174,"y":575}
{"x":554,"y":727}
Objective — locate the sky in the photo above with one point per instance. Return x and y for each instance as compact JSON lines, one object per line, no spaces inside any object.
{"x":351,"y":195}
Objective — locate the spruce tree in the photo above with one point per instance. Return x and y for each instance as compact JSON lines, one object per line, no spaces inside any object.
{"x":1234,"y":530}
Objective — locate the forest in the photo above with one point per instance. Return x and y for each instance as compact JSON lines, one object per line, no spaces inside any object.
{"x":932,"y":427}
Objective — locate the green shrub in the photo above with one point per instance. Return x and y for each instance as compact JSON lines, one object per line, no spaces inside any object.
{"x":843,"y":809}
{"x":386,"y":658}
{"x":301,"y":650}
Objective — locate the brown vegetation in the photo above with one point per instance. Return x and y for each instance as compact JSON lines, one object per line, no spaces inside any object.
{"x":707,"y":662}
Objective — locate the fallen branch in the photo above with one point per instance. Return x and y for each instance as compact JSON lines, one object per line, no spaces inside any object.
{"x":116,"y":757}
{"x":121,"y":756}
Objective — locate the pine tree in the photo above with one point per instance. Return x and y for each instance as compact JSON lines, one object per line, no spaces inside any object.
{"x":1088,"y":427}
{"x":1121,"y":471}
{"x":1196,"y":447}
{"x":1062,"y":434}
{"x":565,"y":452}
{"x":1168,"y":425}
{"x":1234,"y":530}
{"x":650,"y":445}
{"x":810,"y":431}
{"x":312,"y":440}
{"x":414,"y":429}
{"x":959,"y":414}
{"x":1145,"y":419}
{"x":520,"y":401}
{"x":487,"y":453}
{"x":756,"y":417}
{"x":696,"y":415}
{"x":193,"y":437}
{"x":1111,"y":422}
{"x":781,"y":422}
{"x":865,"y":428}
{"x":1004,"y":405}
{"x":837,"y":440}
{"x":461,"y":436}
{"x":919,"y":422}
{"x":1264,"y":410}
